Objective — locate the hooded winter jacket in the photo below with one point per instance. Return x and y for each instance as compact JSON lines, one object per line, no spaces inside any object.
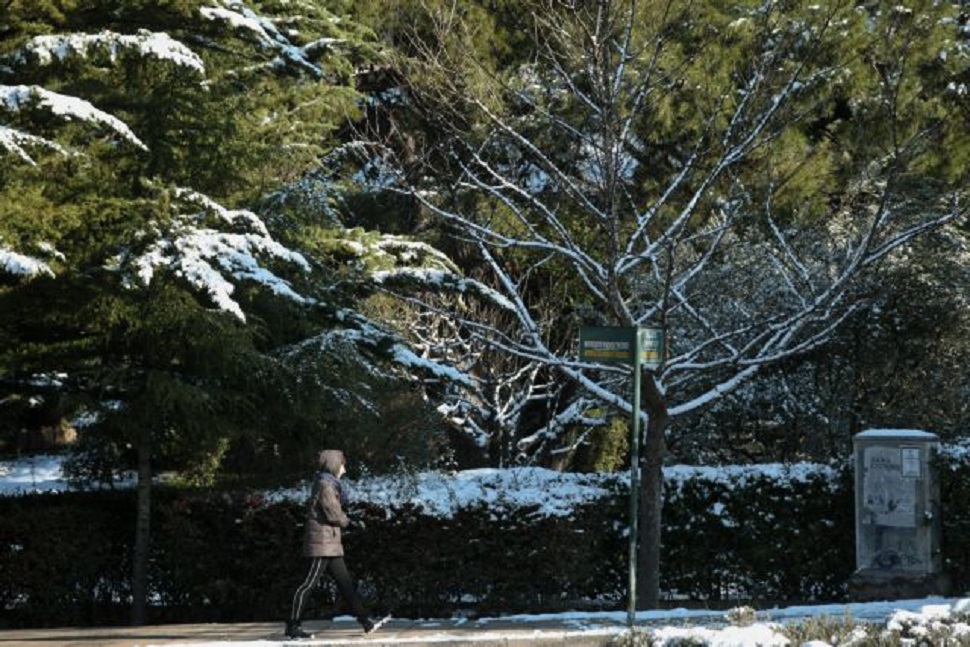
{"x":325,"y":514}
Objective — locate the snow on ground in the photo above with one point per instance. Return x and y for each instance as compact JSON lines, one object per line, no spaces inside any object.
{"x":442,"y":494}
{"x":902,"y":622}
{"x":34,"y":474}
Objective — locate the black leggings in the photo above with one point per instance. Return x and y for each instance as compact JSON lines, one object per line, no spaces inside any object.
{"x":345,"y":585}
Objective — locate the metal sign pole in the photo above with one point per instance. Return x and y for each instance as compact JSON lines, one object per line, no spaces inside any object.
{"x":634,"y":479}
{"x":612,"y":345}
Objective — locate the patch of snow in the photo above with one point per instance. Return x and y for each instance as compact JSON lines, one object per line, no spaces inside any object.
{"x":15,"y":97}
{"x":17,"y":264}
{"x":896,"y":434}
{"x":31,"y":475}
{"x":46,"y":49}
{"x":14,"y":140}
{"x":210,"y":259}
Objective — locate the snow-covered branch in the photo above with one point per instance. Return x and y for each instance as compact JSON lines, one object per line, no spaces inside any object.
{"x":15,"y":141}
{"x":17,"y":264}
{"x":264,"y":31}
{"x":211,"y":260}
{"x":16,"y":98}
{"x":44,"y":50}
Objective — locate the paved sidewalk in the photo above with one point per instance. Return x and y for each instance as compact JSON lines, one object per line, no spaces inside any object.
{"x":485,"y":632}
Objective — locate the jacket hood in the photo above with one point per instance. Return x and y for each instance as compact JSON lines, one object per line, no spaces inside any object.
{"x":330,"y":460}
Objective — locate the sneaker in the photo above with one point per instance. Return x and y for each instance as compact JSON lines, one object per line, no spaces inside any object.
{"x":370,"y":626}
{"x":294,"y":630}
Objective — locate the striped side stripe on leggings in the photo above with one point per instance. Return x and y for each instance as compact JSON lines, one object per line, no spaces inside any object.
{"x":316,"y":564}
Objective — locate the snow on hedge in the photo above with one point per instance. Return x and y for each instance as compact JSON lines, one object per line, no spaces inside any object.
{"x":549,"y":493}
{"x":443,"y":494}
{"x":740,"y":475}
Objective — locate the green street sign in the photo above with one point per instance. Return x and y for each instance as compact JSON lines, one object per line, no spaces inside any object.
{"x":617,"y":345}
{"x":609,"y":344}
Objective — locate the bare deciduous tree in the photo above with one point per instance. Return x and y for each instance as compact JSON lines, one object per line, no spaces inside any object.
{"x":722,"y":172}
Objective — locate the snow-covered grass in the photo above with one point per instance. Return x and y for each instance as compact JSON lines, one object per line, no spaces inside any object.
{"x":930,"y":621}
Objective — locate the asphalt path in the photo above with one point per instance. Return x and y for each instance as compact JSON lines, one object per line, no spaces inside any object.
{"x":486,"y":632}
{"x":595,"y":629}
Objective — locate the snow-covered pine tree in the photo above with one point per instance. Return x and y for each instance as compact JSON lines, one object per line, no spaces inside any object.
{"x":135,"y":287}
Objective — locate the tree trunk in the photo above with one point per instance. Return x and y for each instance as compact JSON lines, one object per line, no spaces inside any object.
{"x":651,"y":495}
{"x":139,"y":578}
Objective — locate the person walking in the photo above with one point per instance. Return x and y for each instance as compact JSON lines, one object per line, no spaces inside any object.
{"x":323,"y":546}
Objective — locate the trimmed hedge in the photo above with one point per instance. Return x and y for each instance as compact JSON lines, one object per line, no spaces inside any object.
{"x":760,"y":536}
{"x":752,"y":535}
{"x":480,"y":562}
{"x":65,"y":559}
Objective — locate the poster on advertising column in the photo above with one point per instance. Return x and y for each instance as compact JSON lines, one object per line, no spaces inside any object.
{"x":889,"y":489}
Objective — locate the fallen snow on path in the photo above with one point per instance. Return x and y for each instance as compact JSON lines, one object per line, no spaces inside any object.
{"x":666,"y":628}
